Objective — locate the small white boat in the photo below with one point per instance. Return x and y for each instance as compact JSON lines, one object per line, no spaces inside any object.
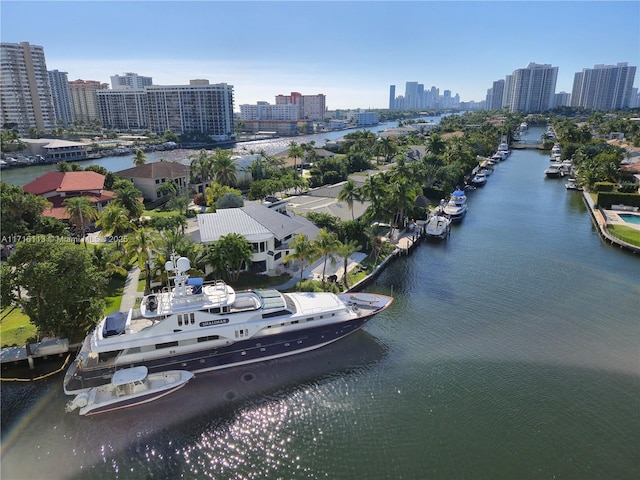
{"x":571,"y":184}
{"x":479,"y":180}
{"x":438,"y":226}
{"x":129,"y":387}
{"x":456,"y":207}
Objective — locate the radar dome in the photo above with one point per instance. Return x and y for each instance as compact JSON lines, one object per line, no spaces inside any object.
{"x":183,"y":264}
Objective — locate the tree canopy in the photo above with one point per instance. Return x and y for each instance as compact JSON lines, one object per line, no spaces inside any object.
{"x":62,"y":291}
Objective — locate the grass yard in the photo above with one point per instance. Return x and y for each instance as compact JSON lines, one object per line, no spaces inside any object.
{"x":626,"y":234}
{"x":15,"y":328}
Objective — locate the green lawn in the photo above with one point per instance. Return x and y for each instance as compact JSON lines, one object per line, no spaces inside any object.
{"x":15,"y":328}
{"x":626,"y":234}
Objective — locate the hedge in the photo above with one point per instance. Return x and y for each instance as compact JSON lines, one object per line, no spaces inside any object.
{"x":606,"y":199}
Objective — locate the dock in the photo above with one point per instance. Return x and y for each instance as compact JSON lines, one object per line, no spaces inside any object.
{"x":29,"y":352}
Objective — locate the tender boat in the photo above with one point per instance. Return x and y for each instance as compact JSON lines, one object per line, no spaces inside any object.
{"x":456,"y":207}
{"x":438,"y":226}
{"x":571,"y":184}
{"x":129,"y":387}
{"x":199,"y":327}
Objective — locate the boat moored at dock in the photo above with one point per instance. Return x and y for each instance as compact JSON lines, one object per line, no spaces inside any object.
{"x":199,"y":327}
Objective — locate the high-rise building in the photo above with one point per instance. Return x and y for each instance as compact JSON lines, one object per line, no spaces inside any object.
{"x":122,"y":109}
{"x":61,"y":97}
{"x":83,"y":99}
{"x":199,"y":107}
{"x":392,"y":97}
{"x":195,"y":108}
{"x":533,"y":88}
{"x":603,"y":87}
{"x":310,"y":107}
{"x":497,"y":93}
{"x":130,"y":81}
{"x":25,"y":93}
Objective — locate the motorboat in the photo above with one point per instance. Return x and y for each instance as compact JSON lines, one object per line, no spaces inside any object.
{"x":554,"y":170}
{"x":438,"y":226}
{"x":479,"y":180}
{"x":129,"y":387}
{"x":456,"y":207}
{"x":571,"y":184}
{"x":196,"y":326}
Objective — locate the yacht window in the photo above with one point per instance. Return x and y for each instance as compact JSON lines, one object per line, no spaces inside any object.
{"x":193,"y":318}
{"x":166,"y":345}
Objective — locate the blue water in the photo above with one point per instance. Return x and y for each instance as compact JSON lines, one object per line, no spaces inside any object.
{"x":511,"y":352}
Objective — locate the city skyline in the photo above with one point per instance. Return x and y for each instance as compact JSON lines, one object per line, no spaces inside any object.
{"x":349,"y":51}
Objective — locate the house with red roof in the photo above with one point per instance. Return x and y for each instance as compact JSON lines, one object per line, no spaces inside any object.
{"x":56,"y":187}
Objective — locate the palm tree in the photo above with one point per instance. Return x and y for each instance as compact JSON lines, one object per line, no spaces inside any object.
{"x":139,"y":249}
{"x":295,"y":151}
{"x":436,"y":144}
{"x":326,"y":244}
{"x":140,"y":158}
{"x":345,"y":250}
{"x":128,"y":196}
{"x":201,"y":170}
{"x":303,"y":250}
{"x":114,"y":220}
{"x":223,"y":168}
{"x":349,"y":194}
{"x":388,"y":148}
{"x":230,"y":254}
{"x":107,"y":259}
{"x":81,"y":212}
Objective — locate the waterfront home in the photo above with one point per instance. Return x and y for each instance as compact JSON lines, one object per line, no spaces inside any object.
{"x":149,"y":177}
{"x":56,"y":187}
{"x":54,"y":150}
{"x":268,"y":231}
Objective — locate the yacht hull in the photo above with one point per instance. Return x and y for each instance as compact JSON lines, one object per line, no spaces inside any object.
{"x":242,"y":352}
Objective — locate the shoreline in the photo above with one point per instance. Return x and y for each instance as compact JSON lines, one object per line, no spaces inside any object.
{"x":599,"y":220}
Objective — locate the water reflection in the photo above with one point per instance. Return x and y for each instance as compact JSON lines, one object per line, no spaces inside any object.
{"x":251,"y":402}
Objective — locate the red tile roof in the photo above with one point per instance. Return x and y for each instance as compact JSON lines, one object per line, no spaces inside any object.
{"x":65,"y":182}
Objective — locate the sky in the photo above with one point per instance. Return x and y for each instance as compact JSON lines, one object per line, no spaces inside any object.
{"x":350,"y":51}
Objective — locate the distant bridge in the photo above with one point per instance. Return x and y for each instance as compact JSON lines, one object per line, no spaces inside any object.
{"x":522,"y":144}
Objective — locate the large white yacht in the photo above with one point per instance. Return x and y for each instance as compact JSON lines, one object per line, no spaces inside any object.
{"x":199,"y":327}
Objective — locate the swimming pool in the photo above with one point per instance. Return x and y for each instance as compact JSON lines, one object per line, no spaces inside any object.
{"x":630,"y":218}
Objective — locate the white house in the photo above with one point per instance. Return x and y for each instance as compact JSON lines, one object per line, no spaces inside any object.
{"x":268,"y":231}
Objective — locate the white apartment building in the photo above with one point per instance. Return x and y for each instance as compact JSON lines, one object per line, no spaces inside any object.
{"x":61,"y":97}
{"x":266,"y":111}
{"x":197,"y":107}
{"x":123,"y":110}
{"x":25,"y":93}
{"x":603,"y":87}
{"x":532,"y":89}
{"x":130,"y":81}
{"x":84,"y":101}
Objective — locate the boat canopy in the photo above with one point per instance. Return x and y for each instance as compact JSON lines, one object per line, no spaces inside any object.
{"x":114,"y":324}
{"x":458,"y":193}
{"x":196,"y":285}
{"x":129,"y":375}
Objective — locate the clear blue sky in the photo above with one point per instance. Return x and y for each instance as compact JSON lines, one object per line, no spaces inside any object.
{"x":350,"y":51}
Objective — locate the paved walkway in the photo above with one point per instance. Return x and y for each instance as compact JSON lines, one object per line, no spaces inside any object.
{"x":130,"y":291}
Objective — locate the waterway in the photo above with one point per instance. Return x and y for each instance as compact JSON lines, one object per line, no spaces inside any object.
{"x":512,"y":350}
{"x":23,"y":175}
